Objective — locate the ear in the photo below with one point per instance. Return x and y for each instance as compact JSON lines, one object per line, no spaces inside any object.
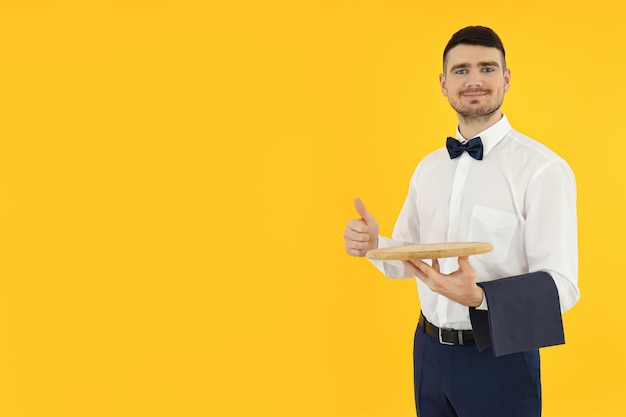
{"x":442,"y":83}
{"x":507,"y":80}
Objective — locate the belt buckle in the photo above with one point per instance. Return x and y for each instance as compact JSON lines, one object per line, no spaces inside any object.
{"x":441,"y":339}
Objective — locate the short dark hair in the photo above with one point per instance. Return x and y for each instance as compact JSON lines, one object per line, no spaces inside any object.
{"x":475,"y":35}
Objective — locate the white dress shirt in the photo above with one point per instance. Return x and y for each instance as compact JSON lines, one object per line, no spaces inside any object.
{"x":521,"y":197}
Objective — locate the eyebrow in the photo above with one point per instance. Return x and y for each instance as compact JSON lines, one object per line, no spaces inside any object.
{"x":480,"y":64}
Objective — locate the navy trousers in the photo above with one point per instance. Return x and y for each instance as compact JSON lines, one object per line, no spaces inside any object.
{"x":460,"y":381}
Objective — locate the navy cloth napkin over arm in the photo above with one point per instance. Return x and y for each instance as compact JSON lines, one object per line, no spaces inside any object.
{"x":523,"y":314}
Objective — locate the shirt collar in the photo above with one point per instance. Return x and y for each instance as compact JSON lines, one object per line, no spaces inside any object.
{"x":490,"y":136}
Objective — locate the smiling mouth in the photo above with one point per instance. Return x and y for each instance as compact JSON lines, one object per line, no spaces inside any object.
{"x":475,"y":94}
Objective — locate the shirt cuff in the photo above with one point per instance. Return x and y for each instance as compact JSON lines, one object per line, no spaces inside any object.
{"x":483,"y":305}
{"x":385,"y":242}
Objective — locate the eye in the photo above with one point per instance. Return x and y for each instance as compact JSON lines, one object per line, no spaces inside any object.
{"x":488,"y":69}
{"x":461,"y":72}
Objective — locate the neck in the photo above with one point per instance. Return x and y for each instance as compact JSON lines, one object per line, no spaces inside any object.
{"x":471,"y":126}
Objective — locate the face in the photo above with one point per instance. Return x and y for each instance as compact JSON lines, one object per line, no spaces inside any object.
{"x":474,"y":81}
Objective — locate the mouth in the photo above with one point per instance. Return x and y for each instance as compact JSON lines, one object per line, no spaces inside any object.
{"x":474,"y":94}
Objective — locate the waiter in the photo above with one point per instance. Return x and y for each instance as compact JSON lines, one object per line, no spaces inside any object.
{"x":476,"y":351}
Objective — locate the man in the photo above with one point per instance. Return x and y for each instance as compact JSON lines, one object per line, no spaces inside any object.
{"x":483,"y":320}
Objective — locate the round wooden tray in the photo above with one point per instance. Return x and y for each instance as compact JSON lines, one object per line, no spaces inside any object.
{"x":430,"y":251}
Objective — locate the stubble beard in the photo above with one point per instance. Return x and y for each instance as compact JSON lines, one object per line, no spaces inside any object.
{"x":471,"y":114}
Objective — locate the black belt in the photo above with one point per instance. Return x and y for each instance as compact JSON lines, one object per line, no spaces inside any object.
{"x":447,"y":336}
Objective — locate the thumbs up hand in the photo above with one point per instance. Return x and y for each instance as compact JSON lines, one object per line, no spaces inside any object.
{"x":361,"y":234}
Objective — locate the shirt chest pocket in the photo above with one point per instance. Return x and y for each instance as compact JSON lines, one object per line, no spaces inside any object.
{"x":494,"y":226}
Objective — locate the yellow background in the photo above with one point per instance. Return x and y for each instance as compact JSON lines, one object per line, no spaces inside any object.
{"x":175,"y":177}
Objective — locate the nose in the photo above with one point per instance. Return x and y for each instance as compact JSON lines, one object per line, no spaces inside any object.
{"x":474,"y":81}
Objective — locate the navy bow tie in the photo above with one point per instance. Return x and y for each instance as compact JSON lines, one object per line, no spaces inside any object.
{"x":474,"y":147}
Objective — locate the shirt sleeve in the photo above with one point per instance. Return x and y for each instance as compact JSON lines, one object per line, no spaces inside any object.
{"x":391,"y":269}
{"x":405,"y":232}
{"x":551,"y":232}
{"x":483,"y":305}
